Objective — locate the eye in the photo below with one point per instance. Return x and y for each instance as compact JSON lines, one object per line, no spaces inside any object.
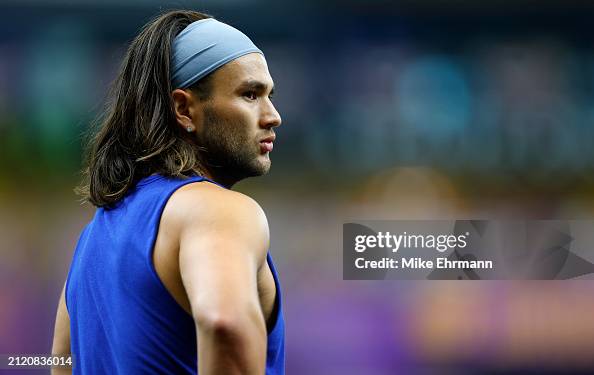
{"x":251,"y":95}
{"x":271,"y":97}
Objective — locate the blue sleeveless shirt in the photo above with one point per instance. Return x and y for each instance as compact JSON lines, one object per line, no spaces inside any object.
{"x":122,"y":318}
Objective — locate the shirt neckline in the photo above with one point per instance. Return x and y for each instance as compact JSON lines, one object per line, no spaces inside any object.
{"x":149,"y":179}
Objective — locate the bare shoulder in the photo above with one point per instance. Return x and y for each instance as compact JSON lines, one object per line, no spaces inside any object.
{"x":209,"y":208}
{"x":210,"y":202}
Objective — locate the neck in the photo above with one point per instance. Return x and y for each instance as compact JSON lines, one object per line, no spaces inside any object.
{"x":219,"y":176}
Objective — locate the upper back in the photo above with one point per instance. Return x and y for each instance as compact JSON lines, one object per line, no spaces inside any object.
{"x":123,"y":318}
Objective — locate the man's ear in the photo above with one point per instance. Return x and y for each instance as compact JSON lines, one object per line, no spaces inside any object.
{"x":187,"y":110}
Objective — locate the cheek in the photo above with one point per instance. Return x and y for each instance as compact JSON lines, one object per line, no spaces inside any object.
{"x":242,"y":111}
{"x":233,"y":129}
{"x":238,"y":116}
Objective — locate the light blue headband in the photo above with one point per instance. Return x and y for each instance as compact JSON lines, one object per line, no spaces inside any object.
{"x":202,"y":47}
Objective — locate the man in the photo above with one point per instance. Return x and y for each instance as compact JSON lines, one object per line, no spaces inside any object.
{"x":173,"y":274}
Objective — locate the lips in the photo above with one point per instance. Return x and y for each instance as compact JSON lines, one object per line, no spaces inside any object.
{"x":266,"y":144}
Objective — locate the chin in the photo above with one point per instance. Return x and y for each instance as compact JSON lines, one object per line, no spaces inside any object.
{"x":262,"y":165}
{"x":264,"y":170}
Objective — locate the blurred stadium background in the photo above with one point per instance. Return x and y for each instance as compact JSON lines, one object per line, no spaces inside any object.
{"x":392,"y":110}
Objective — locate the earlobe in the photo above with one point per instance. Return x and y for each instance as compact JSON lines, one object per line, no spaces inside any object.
{"x":184,"y":109}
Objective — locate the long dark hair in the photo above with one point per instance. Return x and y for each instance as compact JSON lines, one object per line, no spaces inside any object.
{"x":136,"y":135}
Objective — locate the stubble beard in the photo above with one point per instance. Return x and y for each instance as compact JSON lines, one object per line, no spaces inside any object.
{"x":227,"y":149}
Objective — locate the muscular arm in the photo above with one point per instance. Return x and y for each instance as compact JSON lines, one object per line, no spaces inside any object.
{"x":61,"y":343}
{"x":223,"y":244}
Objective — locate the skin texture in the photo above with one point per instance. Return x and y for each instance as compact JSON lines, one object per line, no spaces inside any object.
{"x":212,"y":242}
{"x":230,"y":125}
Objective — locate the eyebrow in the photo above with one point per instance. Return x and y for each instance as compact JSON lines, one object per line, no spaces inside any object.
{"x":255,"y":85}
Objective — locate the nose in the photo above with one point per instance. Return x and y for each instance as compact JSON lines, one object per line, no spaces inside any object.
{"x":270,"y":117}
